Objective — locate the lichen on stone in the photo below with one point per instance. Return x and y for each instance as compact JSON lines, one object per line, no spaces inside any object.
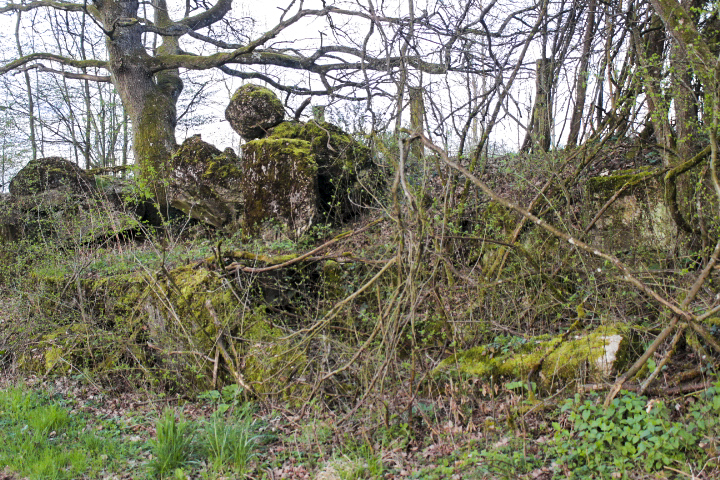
{"x":205,"y":183}
{"x":253,"y":110}
{"x":341,"y":161}
{"x":280,"y":184}
{"x":561,"y":359}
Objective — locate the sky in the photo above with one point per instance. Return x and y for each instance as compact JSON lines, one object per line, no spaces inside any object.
{"x":216,"y":130}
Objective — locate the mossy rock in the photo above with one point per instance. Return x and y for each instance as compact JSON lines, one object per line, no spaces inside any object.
{"x":638,"y":219}
{"x":160,"y":325}
{"x":590,"y":357}
{"x":604,"y":187}
{"x":270,"y":364}
{"x":62,"y":217}
{"x":253,"y":110}
{"x":345,"y":168}
{"x":50,"y":173}
{"x":79,"y":347}
{"x":280,"y":186}
{"x":205,"y":183}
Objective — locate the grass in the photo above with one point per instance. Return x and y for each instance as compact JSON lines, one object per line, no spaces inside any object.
{"x":173,"y":446}
{"x":41,"y":439}
{"x":49,"y":436}
{"x":231,"y":443}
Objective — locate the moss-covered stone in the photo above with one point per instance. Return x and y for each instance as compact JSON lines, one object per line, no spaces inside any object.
{"x":63,"y":217}
{"x":585,"y":355}
{"x":166,"y":326}
{"x":269,"y":363}
{"x":638,"y":219}
{"x":604,"y":187}
{"x":253,"y":110}
{"x":50,"y":173}
{"x":280,"y":185}
{"x":345,"y":169}
{"x":205,"y":183}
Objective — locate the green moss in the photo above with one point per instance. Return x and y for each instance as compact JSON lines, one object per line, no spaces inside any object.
{"x":329,"y":143}
{"x":606,"y":186}
{"x":280,"y":184}
{"x":153,"y":137}
{"x":269,"y":361}
{"x":334,"y":282}
{"x":161,"y":325}
{"x":206,"y":162}
{"x":341,"y":162}
{"x":257,"y":92}
{"x":714,"y":321}
{"x":566,"y":361}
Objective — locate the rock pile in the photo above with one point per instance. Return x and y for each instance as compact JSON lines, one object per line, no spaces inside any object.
{"x":290,"y":176}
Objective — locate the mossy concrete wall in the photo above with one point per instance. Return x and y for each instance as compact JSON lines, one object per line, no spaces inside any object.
{"x":280,"y":186}
{"x":205,"y":183}
{"x":345,"y":169}
{"x":638,"y":219}
{"x":163,"y":329}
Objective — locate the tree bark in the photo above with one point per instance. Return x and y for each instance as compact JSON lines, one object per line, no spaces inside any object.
{"x":582,"y":78}
{"x":149,"y":98}
{"x":538,"y":137}
{"x":417,"y":119}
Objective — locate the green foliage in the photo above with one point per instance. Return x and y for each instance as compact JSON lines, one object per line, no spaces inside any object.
{"x":361,"y":463}
{"x":173,"y":445}
{"x":230,"y":437}
{"x":508,"y":462}
{"x":41,"y":439}
{"x":231,"y":442}
{"x":604,"y":442}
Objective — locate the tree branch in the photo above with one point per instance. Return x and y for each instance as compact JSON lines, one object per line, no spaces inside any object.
{"x":65,"y":6}
{"x":71,"y":62}
{"x":208,"y":17}
{"x":76,"y":76}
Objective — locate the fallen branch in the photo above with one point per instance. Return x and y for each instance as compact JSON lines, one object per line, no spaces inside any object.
{"x":235,"y":266}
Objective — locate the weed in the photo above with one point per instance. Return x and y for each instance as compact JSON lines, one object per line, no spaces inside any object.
{"x":173,"y":445}
{"x":232,"y":439}
{"x":608,"y":442}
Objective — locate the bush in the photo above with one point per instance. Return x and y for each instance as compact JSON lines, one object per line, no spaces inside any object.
{"x":604,"y":442}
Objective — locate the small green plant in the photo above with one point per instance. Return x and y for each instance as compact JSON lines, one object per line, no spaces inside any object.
{"x":506,"y":463}
{"x":173,"y":445}
{"x":231,"y":441}
{"x":48,"y":420}
{"x":41,"y":439}
{"x":608,"y":442}
{"x":363,"y":463}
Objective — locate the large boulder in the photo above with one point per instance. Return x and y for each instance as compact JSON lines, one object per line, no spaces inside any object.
{"x":205,"y":183}
{"x":344,"y":166}
{"x":51,"y":173}
{"x":280,"y":185}
{"x":54,"y":200}
{"x":253,"y":110}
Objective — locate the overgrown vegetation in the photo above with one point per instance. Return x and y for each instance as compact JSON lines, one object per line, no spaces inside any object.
{"x":423,"y":301}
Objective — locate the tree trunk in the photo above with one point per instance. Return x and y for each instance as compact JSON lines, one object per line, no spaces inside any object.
{"x":582,"y":78}
{"x":651,"y":61}
{"x":149,"y":99}
{"x":417,"y":119}
{"x":538,"y":137}
{"x":685,"y":102}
